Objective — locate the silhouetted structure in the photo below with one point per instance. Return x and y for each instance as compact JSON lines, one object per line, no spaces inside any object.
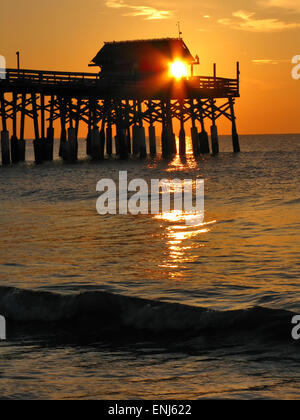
{"x":134,"y":87}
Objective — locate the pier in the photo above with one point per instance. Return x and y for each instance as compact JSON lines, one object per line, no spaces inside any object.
{"x":134,"y":98}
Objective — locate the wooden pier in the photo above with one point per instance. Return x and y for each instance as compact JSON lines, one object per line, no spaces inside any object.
{"x":115,"y":108}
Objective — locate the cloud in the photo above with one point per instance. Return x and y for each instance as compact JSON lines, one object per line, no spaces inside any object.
{"x":247,"y":21}
{"x":148,"y":12}
{"x":269,"y":61}
{"x":293,"y":5}
{"x":265,"y":61}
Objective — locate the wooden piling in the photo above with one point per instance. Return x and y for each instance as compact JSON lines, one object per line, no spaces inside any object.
{"x":22,"y":143}
{"x":95,"y":144}
{"x":89,"y":135}
{"x":182,"y":140}
{"x":109,"y":138}
{"x":152,"y":141}
{"x":14,"y":146}
{"x":152,"y":134}
{"x":214,"y":130}
{"x":5,"y":152}
{"x":140,"y":131}
{"x":164,"y":134}
{"x":235,"y":136}
{"x":203,"y":136}
{"x":37,"y":144}
{"x":194,"y":130}
{"x":142,"y":142}
{"x":102,"y":141}
{"x":128,"y":132}
{"x":135,"y":140}
{"x":72,"y":145}
{"x":121,"y":141}
{"x":172,"y":150}
{"x":63,"y":133}
{"x":49,"y":144}
{"x":72,"y":148}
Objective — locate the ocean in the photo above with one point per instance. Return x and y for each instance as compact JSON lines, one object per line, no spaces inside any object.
{"x":147,"y":307}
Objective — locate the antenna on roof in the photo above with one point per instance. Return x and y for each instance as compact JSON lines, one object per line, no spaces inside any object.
{"x":179,"y":30}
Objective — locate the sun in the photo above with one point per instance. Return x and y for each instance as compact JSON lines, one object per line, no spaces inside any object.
{"x":178,"y":69}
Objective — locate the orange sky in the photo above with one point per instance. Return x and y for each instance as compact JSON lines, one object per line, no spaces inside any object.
{"x":262,"y":34}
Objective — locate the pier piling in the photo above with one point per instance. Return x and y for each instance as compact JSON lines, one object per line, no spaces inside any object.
{"x":214,"y":131}
{"x":95,"y":144}
{"x":109,"y":139}
{"x":5,"y":150}
{"x":152,"y":140}
{"x":235,"y":136}
{"x":71,"y":149}
{"x":182,"y":139}
{"x":22,"y":144}
{"x":135,"y":140}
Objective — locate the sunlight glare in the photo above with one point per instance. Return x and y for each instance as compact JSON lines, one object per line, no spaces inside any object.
{"x":178,"y":69}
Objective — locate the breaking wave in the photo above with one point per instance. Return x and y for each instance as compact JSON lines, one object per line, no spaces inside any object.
{"x":108,"y":311}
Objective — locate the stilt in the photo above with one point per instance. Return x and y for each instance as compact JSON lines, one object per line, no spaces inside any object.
{"x":194,"y":131}
{"x":37,"y":144}
{"x":49,"y":144}
{"x":171,"y":136}
{"x":152,"y":140}
{"x":63,"y":134}
{"x":204,"y":143}
{"x":102,"y":141}
{"x":235,"y":136}
{"x":203,"y":136}
{"x":95,"y":144}
{"x":50,"y":134}
{"x":152,"y":135}
{"x":95,"y":151}
{"x":5,"y":148}
{"x":142,"y":142}
{"x":22,"y":144}
{"x":89,"y":142}
{"x":5,"y":152}
{"x":165,"y":138}
{"x":182,"y":142}
{"x":214,"y":130}
{"x":77,"y":122}
{"x":78,"y":111}
{"x":128,"y":132}
{"x":109,"y":138}
{"x":141,"y":134}
{"x":135,"y":140}
{"x":89,"y":135}
{"x":165,"y":142}
{"x":71,"y":145}
{"x":128,"y":140}
{"x":214,"y":139}
{"x":14,"y":145}
{"x":122,"y":143}
{"x":14,"y":139}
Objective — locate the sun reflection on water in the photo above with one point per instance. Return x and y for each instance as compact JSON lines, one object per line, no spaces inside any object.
{"x":178,"y":232}
{"x":181,"y":229}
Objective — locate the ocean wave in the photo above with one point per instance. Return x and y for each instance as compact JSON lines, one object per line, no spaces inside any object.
{"x":103,"y":310}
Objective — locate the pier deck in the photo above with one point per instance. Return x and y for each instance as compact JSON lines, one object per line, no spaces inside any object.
{"x":114,"y":110}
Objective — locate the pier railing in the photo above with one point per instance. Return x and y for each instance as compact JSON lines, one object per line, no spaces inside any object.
{"x":50,"y":77}
{"x":38,"y":78}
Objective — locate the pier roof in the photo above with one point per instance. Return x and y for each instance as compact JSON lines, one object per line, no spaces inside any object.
{"x":154,"y":49}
